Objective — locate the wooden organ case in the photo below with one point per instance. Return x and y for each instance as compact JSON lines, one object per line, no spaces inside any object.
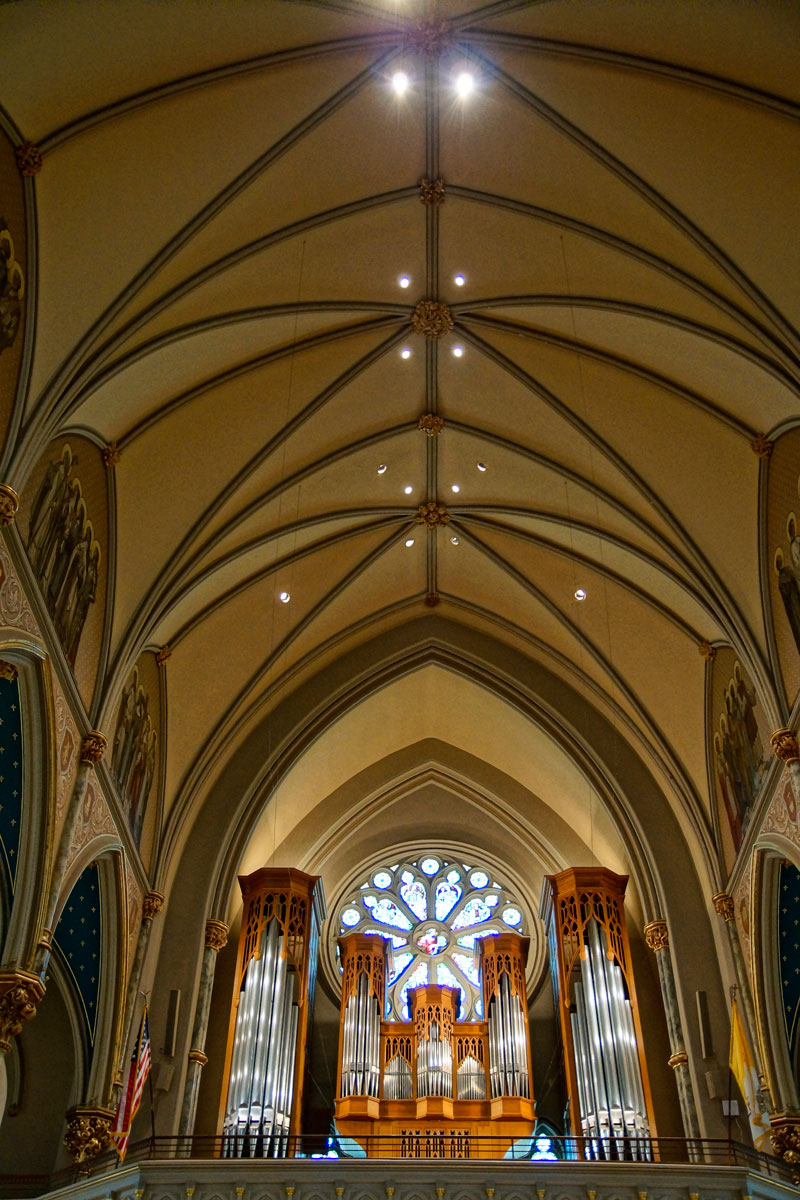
{"x":610,"y":1107}
{"x":271,"y":1013}
{"x":434,"y":1086}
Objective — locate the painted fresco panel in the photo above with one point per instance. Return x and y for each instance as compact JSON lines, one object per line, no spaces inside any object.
{"x":63,"y":521}
{"x":135,"y":751}
{"x":738,"y":744}
{"x":782,"y":555}
{"x":13,"y":280}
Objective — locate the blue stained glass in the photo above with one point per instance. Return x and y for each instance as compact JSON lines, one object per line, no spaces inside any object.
{"x":397,"y":940}
{"x":416,"y":898}
{"x":474,"y":911}
{"x":447,"y":896}
{"x":417,"y":978}
{"x":512,"y":916}
{"x":491,"y":900}
{"x":401,"y":961}
{"x":467,"y":965}
{"x":387,"y":912}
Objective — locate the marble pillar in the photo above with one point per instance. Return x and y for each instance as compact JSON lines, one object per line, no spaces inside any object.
{"x":657,"y":939}
{"x":216,"y":937}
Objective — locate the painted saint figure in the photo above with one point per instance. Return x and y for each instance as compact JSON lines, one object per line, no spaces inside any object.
{"x":133,"y":757}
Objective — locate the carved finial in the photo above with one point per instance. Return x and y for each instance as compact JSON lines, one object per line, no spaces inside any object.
{"x":431,"y":424}
{"x":29,"y":159}
{"x":216,"y":935}
{"x":7,"y":670}
{"x":151,"y":905}
{"x":656,"y":935}
{"x":723,"y":905}
{"x":9,"y":503}
{"x":431,"y":36}
{"x":784,"y":743}
{"x":432,"y":191}
{"x":111,"y":454}
{"x":432,"y":319}
{"x":761,"y":445}
{"x":163,"y":654}
{"x":707,"y":651}
{"x":432,"y":514}
{"x":432,"y":599}
{"x":93,"y":747}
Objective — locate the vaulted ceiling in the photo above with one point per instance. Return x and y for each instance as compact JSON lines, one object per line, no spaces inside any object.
{"x":229,"y":199}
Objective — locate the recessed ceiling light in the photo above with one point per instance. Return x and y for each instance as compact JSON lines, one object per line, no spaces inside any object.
{"x":284,"y":597}
{"x":404,"y":281}
{"x":465,"y":82}
{"x":409,"y":541}
{"x":382,"y":469}
{"x":454,"y":540}
{"x":459,"y":280}
{"x":458,"y":351}
{"x":408,"y":489}
{"x":400,"y":82}
{"x":580,"y":594}
{"x":405,"y":352}
{"x":481,"y":466}
{"x":456,"y":488}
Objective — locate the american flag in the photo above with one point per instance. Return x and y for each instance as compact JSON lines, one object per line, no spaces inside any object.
{"x":138,"y":1070}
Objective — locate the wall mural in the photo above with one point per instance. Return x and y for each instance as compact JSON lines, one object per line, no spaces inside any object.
{"x":14,"y":278}
{"x":134,"y":754}
{"x":782,"y":555}
{"x":737,"y":742}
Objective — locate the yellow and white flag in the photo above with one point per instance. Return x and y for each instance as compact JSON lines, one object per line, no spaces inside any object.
{"x":744,"y":1072}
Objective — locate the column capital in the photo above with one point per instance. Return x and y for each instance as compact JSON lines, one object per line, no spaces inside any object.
{"x":20,"y":992}
{"x":784,"y":743}
{"x":151,"y":905}
{"x":656,"y":935}
{"x":216,"y":935}
{"x":7,"y":669}
{"x":785,"y":1136}
{"x":723,"y":905}
{"x":88,"y":1131}
{"x":93,"y":747}
{"x":9,"y":503}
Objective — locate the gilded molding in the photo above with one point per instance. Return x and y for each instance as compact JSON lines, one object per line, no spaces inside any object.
{"x":785,"y":1136}
{"x":431,"y":36}
{"x":216,"y":935}
{"x":678,"y":1060}
{"x":431,"y":424}
{"x":432,"y":599}
{"x":784,"y":743}
{"x":432,"y":191}
{"x":20,"y":992}
{"x":7,"y":670}
{"x":197,"y":1056}
{"x":29,"y":159}
{"x":723,"y":905}
{"x":707,"y":651}
{"x":9,"y":503}
{"x":656,"y":935}
{"x":432,"y":514}
{"x":111,"y":454}
{"x":432,"y":318}
{"x":93,"y":747}
{"x":163,"y":654}
{"x":88,"y":1132}
{"x":761,"y":445}
{"x":151,"y":905}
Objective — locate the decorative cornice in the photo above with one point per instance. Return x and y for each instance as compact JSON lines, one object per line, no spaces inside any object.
{"x":707,"y":651}
{"x":432,"y":514}
{"x":432,"y":318}
{"x":656,"y":935}
{"x":784,"y":743}
{"x":151,"y":905}
{"x":785,"y":1136}
{"x":761,"y":445}
{"x":431,"y":36}
{"x":9,"y":503}
{"x":678,"y":1059}
{"x":216,"y":935}
{"x":29,"y":159}
{"x":111,"y":454}
{"x":7,"y":670}
{"x":93,"y":747}
{"x":432,"y":191}
{"x":432,"y":599}
{"x":431,"y":424}
{"x":197,"y":1056}
{"x":88,"y":1131}
{"x":723,"y":905}
{"x":20,"y":992}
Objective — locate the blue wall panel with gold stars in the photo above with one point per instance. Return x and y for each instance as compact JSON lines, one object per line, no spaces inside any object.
{"x":789,"y":950}
{"x":10,"y":781}
{"x":78,"y":937}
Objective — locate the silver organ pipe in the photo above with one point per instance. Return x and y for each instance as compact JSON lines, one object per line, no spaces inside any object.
{"x":361,"y":1033}
{"x":471,"y":1080}
{"x":509,"y":1073}
{"x":434,"y":1064}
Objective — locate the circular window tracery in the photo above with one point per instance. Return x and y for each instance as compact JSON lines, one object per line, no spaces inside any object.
{"x":433,"y":912}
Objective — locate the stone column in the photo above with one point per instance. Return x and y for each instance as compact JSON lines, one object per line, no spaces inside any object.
{"x":784,"y":743}
{"x":657,"y":938}
{"x":723,"y":906}
{"x":92,"y":749}
{"x":88,"y":1132}
{"x":151,"y":905}
{"x":216,"y":938}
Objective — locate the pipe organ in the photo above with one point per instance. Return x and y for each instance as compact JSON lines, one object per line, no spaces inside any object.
{"x":271,"y":1012}
{"x":434,"y":1085}
{"x":609,"y":1094}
